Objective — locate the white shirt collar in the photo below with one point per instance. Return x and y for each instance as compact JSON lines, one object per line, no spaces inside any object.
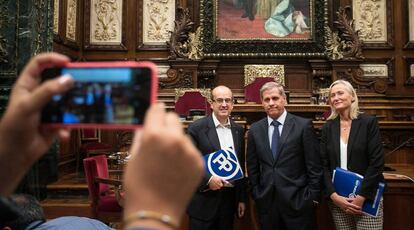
{"x":217,"y":122}
{"x":281,"y":119}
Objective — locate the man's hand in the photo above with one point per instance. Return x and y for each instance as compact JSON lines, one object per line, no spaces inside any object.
{"x":23,"y":141}
{"x":216,"y":183}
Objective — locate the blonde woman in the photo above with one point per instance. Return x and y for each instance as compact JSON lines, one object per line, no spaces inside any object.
{"x":351,"y":140}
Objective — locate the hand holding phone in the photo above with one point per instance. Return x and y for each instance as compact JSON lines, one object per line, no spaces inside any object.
{"x":105,"y":95}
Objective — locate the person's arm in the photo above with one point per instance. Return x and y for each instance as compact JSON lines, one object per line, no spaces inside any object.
{"x":253,"y":169}
{"x":327,"y":185}
{"x":23,"y":141}
{"x":241,"y":185}
{"x":163,"y":172}
{"x":312,"y":160}
{"x":375,"y":152}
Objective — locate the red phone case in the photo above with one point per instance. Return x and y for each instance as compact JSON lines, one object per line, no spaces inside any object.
{"x":132,"y":64}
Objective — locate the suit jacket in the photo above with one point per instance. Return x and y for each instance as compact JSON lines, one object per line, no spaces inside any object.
{"x":294,"y":176}
{"x":365,"y":153}
{"x":204,"y":204}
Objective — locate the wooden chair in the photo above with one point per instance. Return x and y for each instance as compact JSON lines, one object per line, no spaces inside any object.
{"x":187,"y":99}
{"x":105,"y":202}
{"x":255,"y":76}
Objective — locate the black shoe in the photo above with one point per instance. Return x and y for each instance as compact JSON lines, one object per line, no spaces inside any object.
{"x":245,"y":15}
{"x":251,"y":17}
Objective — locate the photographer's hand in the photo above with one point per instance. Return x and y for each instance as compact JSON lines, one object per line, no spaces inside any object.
{"x":164,"y":170}
{"x":23,"y":141}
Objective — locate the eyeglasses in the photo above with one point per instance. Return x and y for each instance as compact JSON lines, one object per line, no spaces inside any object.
{"x":221,"y":100}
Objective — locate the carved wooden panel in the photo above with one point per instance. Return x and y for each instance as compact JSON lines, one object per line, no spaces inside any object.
{"x":155,"y":23}
{"x":379,"y":68}
{"x":373,"y":19}
{"x":409,"y":21}
{"x":409,"y":63}
{"x":56,"y":4}
{"x":71,"y":19}
{"x":158,"y":21}
{"x":105,"y":23}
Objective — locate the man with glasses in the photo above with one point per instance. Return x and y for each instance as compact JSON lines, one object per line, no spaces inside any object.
{"x":214,"y":204}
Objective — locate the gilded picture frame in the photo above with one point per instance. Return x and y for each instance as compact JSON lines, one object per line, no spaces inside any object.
{"x":290,"y":28}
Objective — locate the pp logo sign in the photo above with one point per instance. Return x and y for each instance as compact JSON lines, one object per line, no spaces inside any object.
{"x":224,"y":164}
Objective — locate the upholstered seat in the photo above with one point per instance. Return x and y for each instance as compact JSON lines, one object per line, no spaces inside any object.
{"x":104,"y":201}
{"x":255,"y":76}
{"x":192,"y":99}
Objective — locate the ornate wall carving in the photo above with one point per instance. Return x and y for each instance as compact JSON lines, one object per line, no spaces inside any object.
{"x":374,"y":70}
{"x":56,"y":16}
{"x":71,"y":13}
{"x":158,"y":21}
{"x":371,"y":19}
{"x":106,"y":22}
{"x":251,"y":72}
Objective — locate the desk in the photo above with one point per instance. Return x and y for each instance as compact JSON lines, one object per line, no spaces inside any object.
{"x":399,"y":197}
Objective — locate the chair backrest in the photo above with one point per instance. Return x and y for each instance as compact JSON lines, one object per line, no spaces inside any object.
{"x":89,"y":135}
{"x":96,"y":166}
{"x":255,"y":76}
{"x":189,"y":99}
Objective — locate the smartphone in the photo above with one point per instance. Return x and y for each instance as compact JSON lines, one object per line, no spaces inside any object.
{"x":113,"y":95}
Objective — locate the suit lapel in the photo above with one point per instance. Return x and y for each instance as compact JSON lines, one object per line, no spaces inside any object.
{"x":287,"y":127}
{"x":356,"y":123}
{"x":235,"y":134}
{"x":264,"y":126}
{"x":211,"y":134}
{"x":335,"y":140}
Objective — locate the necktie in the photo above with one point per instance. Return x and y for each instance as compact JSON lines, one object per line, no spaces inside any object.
{"x":275,"y":138}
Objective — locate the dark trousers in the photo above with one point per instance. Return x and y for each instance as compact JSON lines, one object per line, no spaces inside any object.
{"x":277,"y":219}
{"x":219,"y":222}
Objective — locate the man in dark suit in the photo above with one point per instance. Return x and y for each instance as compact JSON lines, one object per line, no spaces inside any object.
{"x":215,"y":202}
{"x":283,"y":165}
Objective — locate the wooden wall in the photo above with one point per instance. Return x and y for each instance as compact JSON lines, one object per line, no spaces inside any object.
{"x":389,"y":97}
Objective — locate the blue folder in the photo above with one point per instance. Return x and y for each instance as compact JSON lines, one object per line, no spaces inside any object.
{"x":348,"y":184}
{"x":223,"y":163}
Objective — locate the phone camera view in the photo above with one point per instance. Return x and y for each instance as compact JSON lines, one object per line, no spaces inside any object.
{"x":101,"y":96}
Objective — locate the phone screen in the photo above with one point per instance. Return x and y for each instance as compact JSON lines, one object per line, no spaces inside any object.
{"x":119,"y":95}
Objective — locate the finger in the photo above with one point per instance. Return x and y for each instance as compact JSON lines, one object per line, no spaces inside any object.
{"x":137,"y":142}
{"x":44,"y":93}
{"x":30,"y":76}
{"x":155,"y":117}
{"x":173,"y":124}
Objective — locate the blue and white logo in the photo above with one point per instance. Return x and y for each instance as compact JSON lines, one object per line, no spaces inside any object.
{"x":224,"y":164}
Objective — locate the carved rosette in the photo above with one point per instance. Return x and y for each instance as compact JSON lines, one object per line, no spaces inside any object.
{"x":157,"y":21}
{"x":56,"y":16}
{"x":251,"y":72}
{"x":370,"y":17}
{"x":71,"y":19}
{"x":204,"y":92}
{"x":106,"y":22}
{"x":177,"y":79}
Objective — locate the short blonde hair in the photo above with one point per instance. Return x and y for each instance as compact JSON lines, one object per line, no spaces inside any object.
{"x":272,"y":85}
{"x":354,"y":112}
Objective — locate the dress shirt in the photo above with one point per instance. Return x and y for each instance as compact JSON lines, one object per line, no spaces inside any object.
{"x":281,"y":119}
